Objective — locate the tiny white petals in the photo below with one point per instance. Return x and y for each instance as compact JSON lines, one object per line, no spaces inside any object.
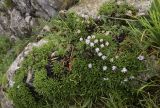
{"x":105,"y":79}
{"x":116,"y":57}
{"x":18,"y":86}
{"x":97,"y":50}
{"x":125,"y":80}
{"x":93,"y":36}
{"x":102,"y":45}
{"x":98,"y":17}
{"x":100,"y":54}
{"x":91,"y":44}
{"x":132,"y":77}
{"x":96,"y":41}
{"x":87,"y":41}
{"x":101,"y":40}
{"x":124,"y":70}
{"x":104,"y":68}
{"x":107,"y":43}
{"x":114,"y":68}
{"x":111,"y":60}
{"x":107,"y":33}
{"x":90,"y":65}
{"x":104,"y":57}
{"x":140,"y":57}
{"x":81,"y":39}
{"x":89,"y":37}
{"x":78,"y":31}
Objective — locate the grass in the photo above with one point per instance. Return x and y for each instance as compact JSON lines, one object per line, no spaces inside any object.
{"x":68,"y":72}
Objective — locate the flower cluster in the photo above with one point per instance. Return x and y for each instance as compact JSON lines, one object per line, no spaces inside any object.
{"x":98,"y":45}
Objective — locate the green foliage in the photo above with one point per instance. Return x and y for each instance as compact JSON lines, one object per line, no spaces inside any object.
{"x":5,"y":44}
{"x":150,"y":26}
{"x":112,"y":9}
{"x":68,"y":72}
{"x":8,"y":3}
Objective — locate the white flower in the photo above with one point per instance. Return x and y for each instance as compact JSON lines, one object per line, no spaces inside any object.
{"x":78,"y":31}
{"x":89,"y":37}
{"x":132,"y":77}
{"x":91,"y":44}
{"x":125,"y":80}
{"x":93,"y":36}
{"x":104,"y":68}
{"x":96,"y":41}
{"x":81,"y":39}
{"x":116,"y":57}
{"x":100,"y":54}
{"x":105,"y":79}
{"x":107,"y":33}
{"x":102,"y":45}
{"x":104,"y":57}
{"x":114,"y":68}
{"x":111,"y":60}
{"x":107,"y":43}
{"x":98,"y":17}
{"x":124,"y":70}
{"x":87,"y":41}
{"x":97,"y":50}
{"x":90,"y":65}
{"x":18,"y":86}
{"x":101,"y":40}
{"x":140,"y":57}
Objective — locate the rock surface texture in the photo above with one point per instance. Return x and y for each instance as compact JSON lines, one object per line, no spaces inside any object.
{"x":17,"y":17}
{"x":90,"y":7}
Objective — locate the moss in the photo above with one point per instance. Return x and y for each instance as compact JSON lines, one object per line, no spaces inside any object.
{"x":112,"y":9}
{"x":8,"y":3}
{"x":64,"y":79}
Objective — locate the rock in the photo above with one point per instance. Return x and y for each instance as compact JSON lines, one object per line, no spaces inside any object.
{"x":21,"y":18}
{"x":18,"y":61}
{"x":90,"y":8}
{"x":18,"y":25}
{"x":29,"y":80}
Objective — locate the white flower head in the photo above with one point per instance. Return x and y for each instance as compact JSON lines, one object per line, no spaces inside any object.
{"x":125,"y":80}
{"x":100,"y":54}
{"x":131,"y":77}
{"x":104,"y":57}
{"x":81,"y":39}
{"x":124,"y":70}
{"x":102,"y":45}
{"x":114,"y":68}
{"x":116,"y":57}
{"x":89,"y":37}
{"x":107,"y":43}
{"x":99,"y":17}
{"x":104,"y":68}
{"x":97,"y":50}
{"x":87,"y":41}
{"x":91,"y":44}
{"x":107,"y":33}
{"x":93,"y":36}
{"x":140,"y":57}
{"x":90,"y":65}
{"x":105,"y":79}
{"x":96,"y":41}
{"x":101,"y":40}
{"x":18,"y":86}
{"x":111,"y":60}
{"x":78,"y":31}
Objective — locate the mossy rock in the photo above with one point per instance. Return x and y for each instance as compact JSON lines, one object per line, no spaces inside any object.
{"x":69,"y":72}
